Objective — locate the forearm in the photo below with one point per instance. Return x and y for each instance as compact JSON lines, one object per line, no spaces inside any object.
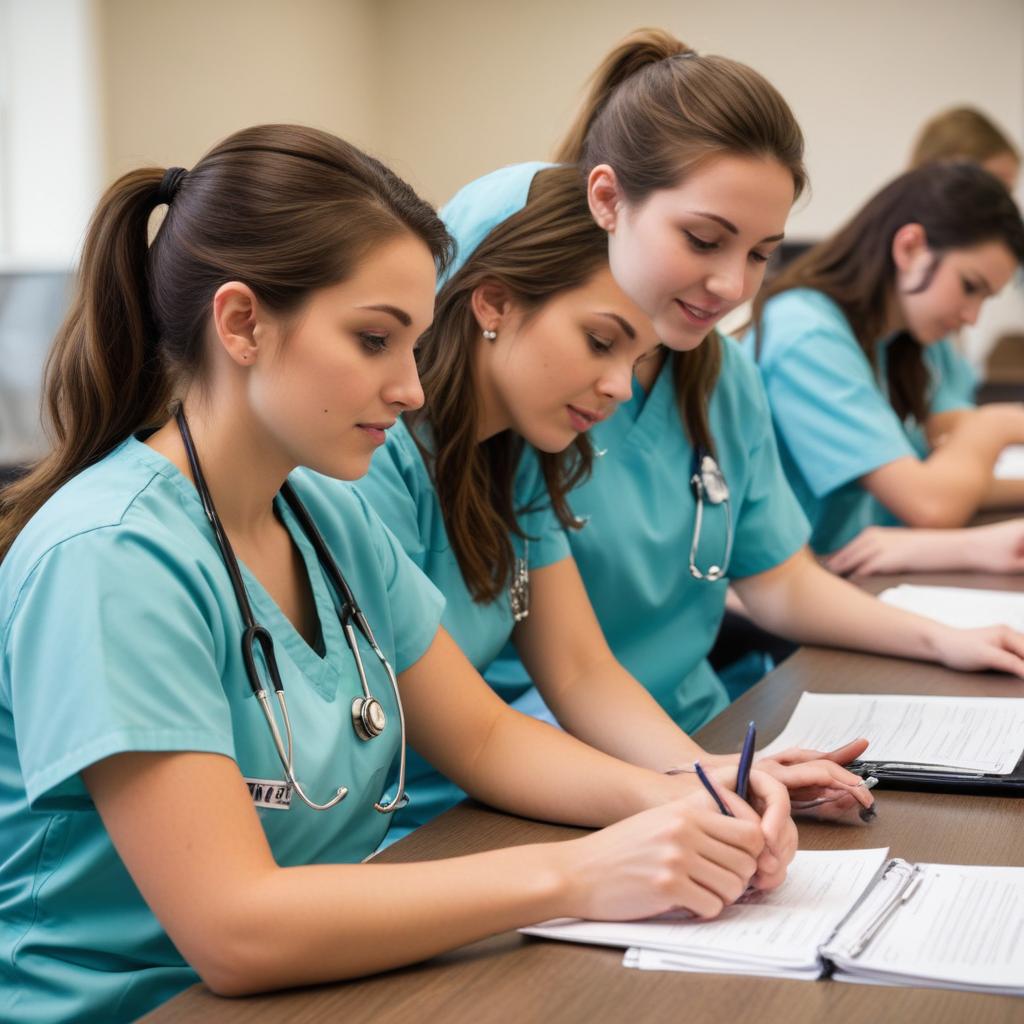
{"x":568,"y":779}
{"x":610,"y":710}
{"x":330,"y":922}
{"x":805,"y":603}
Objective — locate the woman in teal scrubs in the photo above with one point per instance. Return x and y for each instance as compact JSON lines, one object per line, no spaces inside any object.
{"x":151,"y":832}
{"x":867,"y":436}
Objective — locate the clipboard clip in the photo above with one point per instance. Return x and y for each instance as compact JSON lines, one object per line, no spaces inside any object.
{"x":906,"y":889}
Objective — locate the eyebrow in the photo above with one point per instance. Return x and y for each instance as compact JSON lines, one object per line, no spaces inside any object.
{"x":399,"y":314}
{"x":626,"y":326}
{"x":729,"y":226}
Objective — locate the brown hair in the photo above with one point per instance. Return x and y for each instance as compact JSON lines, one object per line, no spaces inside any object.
{"x":958,"y":204}
{"x":961,"y":133}
{"x":655,"y":111}
{"x":550,"y":246}
{"x":284,"y":209}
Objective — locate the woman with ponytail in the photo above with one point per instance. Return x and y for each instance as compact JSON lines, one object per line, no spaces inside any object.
{"x":533,"y":346}
{"x":167,"y":565}
{"x":691,"y":164}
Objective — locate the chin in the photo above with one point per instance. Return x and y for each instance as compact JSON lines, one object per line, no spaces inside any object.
{"x":681,"y":338}
{"x":350,"y":468}
{"x":551,"y":442}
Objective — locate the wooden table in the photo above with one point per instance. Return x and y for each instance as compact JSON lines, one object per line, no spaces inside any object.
{"x":522,"y":980}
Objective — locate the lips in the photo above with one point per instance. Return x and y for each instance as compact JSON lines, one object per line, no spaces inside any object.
{"x":700,"y":315}
{"x":584,"y":419}
{"x":376,"y":431}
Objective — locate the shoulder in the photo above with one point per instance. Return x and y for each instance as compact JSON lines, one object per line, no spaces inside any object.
{"x":798,"y":314}
{"x":119,"y":525}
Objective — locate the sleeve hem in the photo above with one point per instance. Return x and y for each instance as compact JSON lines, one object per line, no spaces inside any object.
{"x":123,"y":741}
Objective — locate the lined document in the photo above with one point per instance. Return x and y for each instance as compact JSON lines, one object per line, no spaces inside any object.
{"x":776,"y":933}
{"x":959,"y":606}
{"x":1010,"y":464}
{"x":979,"y":734}
{"x":963,"y":927}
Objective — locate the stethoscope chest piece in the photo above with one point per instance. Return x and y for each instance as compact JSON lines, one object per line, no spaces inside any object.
{"x":708,"y":483}
{"x":368,"y":718}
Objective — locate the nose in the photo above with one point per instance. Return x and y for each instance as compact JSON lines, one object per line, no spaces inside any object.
{"x":404,"y":388}
{"x":970,"y":313}
{"x":617,"y":383}
{"x":727,"y":280}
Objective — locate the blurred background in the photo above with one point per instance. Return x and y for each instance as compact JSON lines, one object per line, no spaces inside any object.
{"x":442,"y":90}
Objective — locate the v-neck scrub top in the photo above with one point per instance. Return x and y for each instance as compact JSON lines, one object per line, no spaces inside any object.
{"x":832,"y":413}
{"x":400,"y":490}
{"x":120,"y":632}
{"x":640,"y":512}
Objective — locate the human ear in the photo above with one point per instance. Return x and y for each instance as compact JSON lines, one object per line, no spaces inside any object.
{"x":604,"y":196}
{"x":235,"y":319}
{"x":491,"y":303}
{"x":908,"y":244}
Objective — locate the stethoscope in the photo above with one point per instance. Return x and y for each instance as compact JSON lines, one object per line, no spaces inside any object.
{"x":709,"y":485}
{"x":368,"y":717}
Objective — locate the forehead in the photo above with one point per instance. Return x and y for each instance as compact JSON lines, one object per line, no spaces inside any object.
{"x":754,"y":194}
{"x":397,"y":272}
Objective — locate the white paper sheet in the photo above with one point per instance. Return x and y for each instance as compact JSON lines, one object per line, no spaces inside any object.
{"x":982,"y":734}
{"x":959,"y":606}
{"x":963,"y":927}
{"x":1010,"y":464}
{"x":776,"y":933}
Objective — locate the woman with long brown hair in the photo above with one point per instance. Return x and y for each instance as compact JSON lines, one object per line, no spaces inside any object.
{"x":689,"y":496}
{"x":840,"y":335}
{"x":533,"y":346}
{"x":163,"y":816}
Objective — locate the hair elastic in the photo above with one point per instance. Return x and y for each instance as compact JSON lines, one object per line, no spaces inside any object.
{"x":169,"y":184}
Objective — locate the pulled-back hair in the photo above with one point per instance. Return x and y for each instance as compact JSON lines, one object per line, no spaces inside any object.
{"x":550,"y":246}
{"x":958,"y":204}
{"x":284,"y":209}
{"x":656,"y":110}
{"x":961,"y":133}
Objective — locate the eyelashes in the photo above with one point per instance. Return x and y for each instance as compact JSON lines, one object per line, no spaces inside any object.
{"x":703,"y":246}
{"x":373,"y":343}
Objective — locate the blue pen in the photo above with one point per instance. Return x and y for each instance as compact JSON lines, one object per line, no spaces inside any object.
{"x":706,"y":783}
{"x":746,"y":760}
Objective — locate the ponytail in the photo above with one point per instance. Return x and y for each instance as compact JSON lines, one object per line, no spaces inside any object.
{"x":281,"y":208}
{"x":643,"y":47}
{"x":103,"y":378}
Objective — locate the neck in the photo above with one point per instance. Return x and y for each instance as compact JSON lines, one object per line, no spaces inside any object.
{"x":492,"y":418}
{"x":647,"y":370}
{"x":893,"y":314}
{"x":242,"y":468}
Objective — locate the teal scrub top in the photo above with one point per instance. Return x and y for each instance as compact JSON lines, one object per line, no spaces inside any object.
{"x":121,"y":632}
{"x":640,"y":511}
{"x":400,"y":490}
{"x":832,"y":414}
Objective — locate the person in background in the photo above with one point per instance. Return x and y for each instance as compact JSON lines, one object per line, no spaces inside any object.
{"x":866,"y":435}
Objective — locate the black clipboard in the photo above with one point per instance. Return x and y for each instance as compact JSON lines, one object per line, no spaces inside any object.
{"x":892,"y":776}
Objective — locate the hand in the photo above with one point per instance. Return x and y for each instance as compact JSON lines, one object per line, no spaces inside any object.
{"x":998,"y":547}
{"x":976,"y":650}
{"x":684,"y":854}
{"x":769,"y":798}
{"x":885,"y":549}
{"x":811,"y":774}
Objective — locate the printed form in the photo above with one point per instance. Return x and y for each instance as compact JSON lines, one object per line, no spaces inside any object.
{"x":976,"y":734}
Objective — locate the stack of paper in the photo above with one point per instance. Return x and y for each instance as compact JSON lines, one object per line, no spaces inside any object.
{"x":959,"y":606}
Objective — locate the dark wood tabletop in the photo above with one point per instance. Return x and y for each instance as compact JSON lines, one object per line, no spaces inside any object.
{"x":513,"y":978}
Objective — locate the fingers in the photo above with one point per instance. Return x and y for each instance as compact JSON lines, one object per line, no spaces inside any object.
{"x":776,"y":823}
{"x":848,"y":752}
{"x":841,"y":755}
{"x":822,"y":775}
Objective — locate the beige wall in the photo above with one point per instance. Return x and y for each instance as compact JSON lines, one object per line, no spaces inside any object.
{"x":447,"y":89}
{"x":180,"y":74}
{"x":486,"y":82}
